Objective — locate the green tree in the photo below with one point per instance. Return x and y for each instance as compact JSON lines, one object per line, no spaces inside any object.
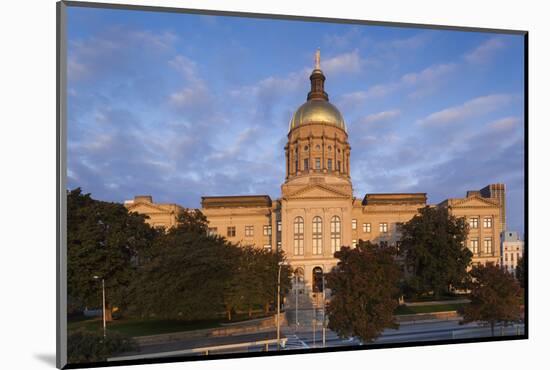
{"x":90,"y":346}
{"x":364,"y":291}
{"x":103,"y":240}
{"x":520,"y":272}
{"x":184,"y":274}
{"x":433,"y":244}
{"x":253,"y":283}
{"x":495,"y":296}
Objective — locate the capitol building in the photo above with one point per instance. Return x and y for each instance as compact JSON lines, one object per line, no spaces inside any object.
{"x":317,"y":212}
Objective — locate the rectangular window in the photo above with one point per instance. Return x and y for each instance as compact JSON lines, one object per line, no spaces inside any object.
{"x":299,"y":237}
{"x":231,"y":231}
{"x":512,"y":257}
{"x":317,"y":163}
{"x":354,"y":224}
{"x":488,"y":245}
{"x":474,"y":246}
{"x":267,"y":246}
{"x":474,"y":223}
{"x":366,"y":228}
{"x":354,"y":243}
{"x":279,"y":227}
{"x":488,"y":222}
{"x":329,"y":164}
{"x":335,"y":234}
{"x":212,"y":231}
{"x":306,"y":164}
{"x":384,"y":227}
{"x":317,"y":234}
{"x":279,"y":246}
{"x":267,"y":230}
{"x":249,"y":230}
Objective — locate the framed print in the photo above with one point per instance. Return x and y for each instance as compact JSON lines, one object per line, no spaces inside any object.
{"x":235,"y":185}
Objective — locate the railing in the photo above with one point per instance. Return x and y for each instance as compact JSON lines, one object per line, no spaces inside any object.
{"x":204,"y":350}
{"x":485,"y":331}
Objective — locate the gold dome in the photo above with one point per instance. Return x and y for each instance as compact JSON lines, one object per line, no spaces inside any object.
{"x":317,"y":111}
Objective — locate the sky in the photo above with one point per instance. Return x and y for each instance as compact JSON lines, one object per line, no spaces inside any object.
{"x":181,"y":106}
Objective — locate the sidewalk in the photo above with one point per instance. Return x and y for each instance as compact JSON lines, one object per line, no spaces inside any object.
{"x":436,"y":303}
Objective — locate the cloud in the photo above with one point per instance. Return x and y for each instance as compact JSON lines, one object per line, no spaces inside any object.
{"x":343,"y":63}
{"x":505,"y":124}
{"x":113,"y":50}
{"x":381,"y":116}
{"x":194,"y":96}
{"x":342,"y":40}
{"x":472,"y":108}
{"x":425,"y":81}
{"x":273,"y":85}
{"x":485,"y":52}
{"x":412,"y":42}
{"x":357,"y":98}
{"x":429,"y":75}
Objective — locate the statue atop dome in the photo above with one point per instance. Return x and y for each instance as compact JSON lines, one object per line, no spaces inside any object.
{"x":318,"y":58}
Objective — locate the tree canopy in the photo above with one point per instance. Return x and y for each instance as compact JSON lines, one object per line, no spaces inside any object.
{"x":103,"y":240}
{"x":520,"y":271}
{"x":180,"y":273}
{"x":433,"y":244}
{"x":495,"y":296}
{"x":189,"y":274}
{"x":364,"y":291}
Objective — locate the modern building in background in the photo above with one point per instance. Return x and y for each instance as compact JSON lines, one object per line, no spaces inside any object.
{"x":317,"y":213}
{"x":511,"y":250}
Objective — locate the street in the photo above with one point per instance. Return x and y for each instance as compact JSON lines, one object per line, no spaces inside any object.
{"x":407,"y":332}
{"x":307,"y":339}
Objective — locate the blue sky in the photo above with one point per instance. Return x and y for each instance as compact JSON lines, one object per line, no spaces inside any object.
{"x":180,"y":106}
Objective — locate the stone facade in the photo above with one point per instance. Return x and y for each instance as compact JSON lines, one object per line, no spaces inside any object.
{"x":317,"y":212}
{"x":159,"y":214}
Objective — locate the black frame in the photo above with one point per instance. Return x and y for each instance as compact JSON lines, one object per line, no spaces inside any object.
{"x":61,"y":105}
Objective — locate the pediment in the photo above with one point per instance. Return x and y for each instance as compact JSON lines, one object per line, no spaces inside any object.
{"x":318,"y":191}
{"x":475,"y":201}
{"x":146,"y":208}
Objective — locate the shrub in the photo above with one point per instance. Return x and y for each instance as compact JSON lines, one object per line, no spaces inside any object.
{"x":91,"y":346}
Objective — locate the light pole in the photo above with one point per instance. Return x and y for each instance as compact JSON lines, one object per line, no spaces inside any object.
{"x":324,"y":330}
{"x":296,"y":294}
{"x":103,"y":308}
{"x":279,"y":305}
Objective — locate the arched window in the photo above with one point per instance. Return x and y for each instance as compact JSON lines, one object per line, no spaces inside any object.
{"x":318,"y":283}
{"x":317,"y":235}
{"x":298,"y":236}
{"x":335,"y":234}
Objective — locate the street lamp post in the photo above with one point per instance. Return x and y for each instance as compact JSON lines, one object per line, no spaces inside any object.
{"x":296,"y":294}
{"x":279,"y":305}
{"x":103,"y":308}
{"x":324,"y":330}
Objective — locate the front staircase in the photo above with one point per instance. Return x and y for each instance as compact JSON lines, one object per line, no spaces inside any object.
{"x":303,"y":308}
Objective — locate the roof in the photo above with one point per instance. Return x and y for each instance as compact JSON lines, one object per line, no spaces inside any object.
{"x":395,"y":198}
{"x":236,"y":201}
{"x":317,"y":112}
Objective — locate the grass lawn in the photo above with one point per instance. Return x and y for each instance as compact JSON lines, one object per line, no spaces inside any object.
{"x":135,"y":328}
{"x":411,"y":310}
